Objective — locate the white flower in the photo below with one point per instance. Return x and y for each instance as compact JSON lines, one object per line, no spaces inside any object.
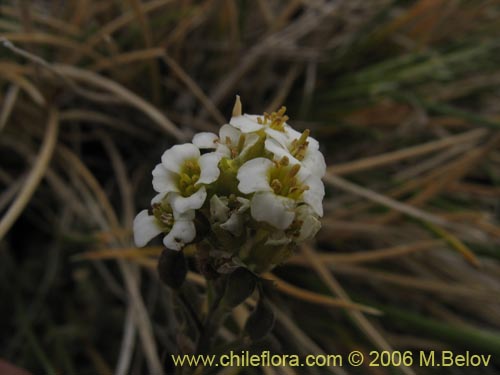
{"x":279,"y":188}
{"x":179,"y":228}
{"x":298,"y":148}
{"x":254,"y":123}
{"x":183,"y":174}
{"x":245,"y":196}
{"x":229,"y":212}
{"x":230,"y":143}
{"x":247,"y":123}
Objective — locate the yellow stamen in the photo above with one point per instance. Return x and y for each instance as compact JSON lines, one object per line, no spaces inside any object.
{"x":299,"y":146}
{"x":295,"y":169}
{"x":276,"y":186}
{"x":275,"y":120}
{"x":283,"y":180}
{"x":188,"y":177}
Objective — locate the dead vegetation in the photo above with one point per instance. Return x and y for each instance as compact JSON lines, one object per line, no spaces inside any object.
{"x":403,"y":97}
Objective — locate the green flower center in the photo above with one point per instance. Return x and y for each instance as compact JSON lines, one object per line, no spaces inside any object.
{"x":188,"y":177}
{"x":275,"y":120}
{"x":283,"y":180}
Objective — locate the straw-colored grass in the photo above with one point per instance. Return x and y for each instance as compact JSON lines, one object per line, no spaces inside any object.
{"x":403,"y":97}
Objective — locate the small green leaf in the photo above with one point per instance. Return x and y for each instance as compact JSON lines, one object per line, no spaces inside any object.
{"x":172,"y":268}
{"x":240,"y":285}
{"x":261,"y":321}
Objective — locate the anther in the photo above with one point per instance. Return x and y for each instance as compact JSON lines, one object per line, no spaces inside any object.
{"x":276,"y":185}
{"x":294,"y":170}
{"x":284,"y":161}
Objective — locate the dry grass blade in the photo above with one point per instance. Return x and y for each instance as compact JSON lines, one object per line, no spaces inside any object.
{"x":402,"y":207}
{"x":316,"y":298}
{"x":123,"y":253}
{"x":122,"y":178}
{"x":378,"y":340}
{"x":93,"y":117}
{"x":454,"y":172}
{"x":39,"y":61}
{"x":51,"y":40}
{"x":141,"y":317}
{"x":77,"y":165}
{"x":124,"y":94}
{"x":36,"y":174}
{"x":54,"y":23}
{"x":301,"y":338}
{"x":302,"y":26}
{"x":127,"y":58}
{"x":391,"y":157}
{"x":26,"y":86}
{"x":195,"y":89}
{"x":148,"y":41}
{"x":371,"y":255}
{"x":8,"y":105}
{"x":9,"y":193}
{"x":117,"y":24}
{"x":284,"y":88}
{"x":128,"y":343}
{"x":390,"y":90}
{"x":444,"y":288}
{"x":458,"y":245}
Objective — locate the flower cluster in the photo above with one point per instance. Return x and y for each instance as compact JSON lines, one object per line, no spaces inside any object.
{"x":251,"y":193}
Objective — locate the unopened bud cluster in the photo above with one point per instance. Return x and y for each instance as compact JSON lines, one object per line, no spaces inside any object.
{"x":247,"y":195}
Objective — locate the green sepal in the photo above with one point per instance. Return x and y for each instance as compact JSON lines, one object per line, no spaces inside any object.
{"x":239,"y":286}
{"x":261,"y":321}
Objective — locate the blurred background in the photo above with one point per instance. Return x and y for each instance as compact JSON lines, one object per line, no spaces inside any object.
{"x":403,"y":97}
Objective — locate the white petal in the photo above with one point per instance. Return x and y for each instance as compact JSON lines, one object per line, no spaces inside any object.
{"x":315,"y":163}
{"x":219,"y":211}
{"x":228,"y":132}
{"x":314,"y":196}
{"x":164,"y":181}
{"x":182,"y":233}
{"x":292,"y":133}
{"x":193,"y":202}
{"x":279,"y":151}
{"x":313,"y":144}
{"x":158,"y":198}
{"x":281,"y":137}
{"x":246,"y":123}
{"x":250,"y":140}
{"x":209,"y":168}
{"x":253,"y":176}
{"x":145,"y":228}
{"x":205,"y":140}
{"x":273,"y":209}
{"x":223,"y":150}
{"x":174,"y":158}
{"x":245,"y":204}
{"x":310,"y":223}
{"x":234,"y":224}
